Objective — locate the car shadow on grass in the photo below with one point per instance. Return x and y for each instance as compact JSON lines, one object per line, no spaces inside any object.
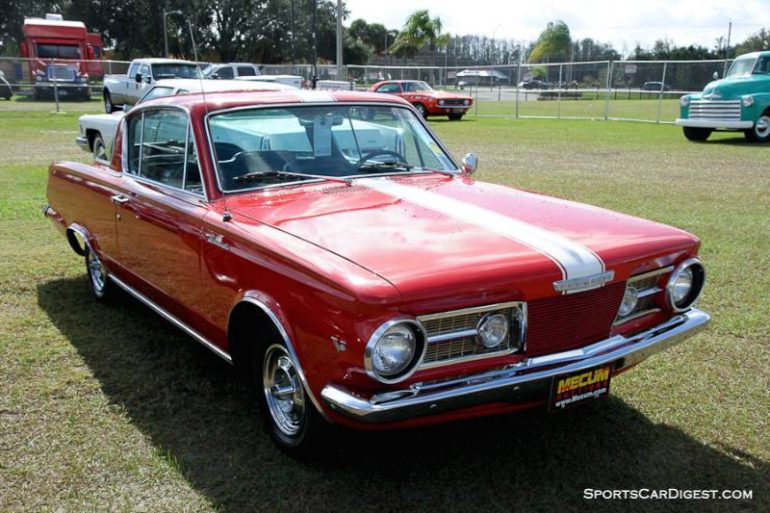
{"x":185,"y":400}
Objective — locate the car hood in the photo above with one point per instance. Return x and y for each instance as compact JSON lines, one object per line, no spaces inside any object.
{"x":734,"y":87}
{"x":432,"y":236}
{"x":449,"y":95}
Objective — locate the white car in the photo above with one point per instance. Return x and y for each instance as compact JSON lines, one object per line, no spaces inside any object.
{"x":97,"y":131}
{"x":294,"y":81}
{"x":230,"y":71}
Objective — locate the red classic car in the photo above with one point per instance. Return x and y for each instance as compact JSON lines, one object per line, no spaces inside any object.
{"x":425,"y":99}
{"x":330,"y":247}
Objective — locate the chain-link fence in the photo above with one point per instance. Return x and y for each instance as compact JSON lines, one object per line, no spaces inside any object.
{"x":628,"y":90}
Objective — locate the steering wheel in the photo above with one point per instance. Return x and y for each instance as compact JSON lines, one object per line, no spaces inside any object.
{"x":380,"y":153}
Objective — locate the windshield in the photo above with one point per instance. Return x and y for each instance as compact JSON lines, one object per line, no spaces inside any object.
{"x":58,"y":51}
{"x":416,"y":86}
{"x":174,"y":70}
{"x":157,"y":92}
{"x":741,"y":67}
{"x":274,"y":146}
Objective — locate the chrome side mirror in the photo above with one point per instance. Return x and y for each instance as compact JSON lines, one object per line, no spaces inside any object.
{"x":470,"y":163}
{"x":715,"y":75}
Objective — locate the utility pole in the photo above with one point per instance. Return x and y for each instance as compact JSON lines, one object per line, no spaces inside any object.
{"x":293,"y":47}
{"x":165,"y":30}
{"x":314,"y":78}
{"x":340,"y":14}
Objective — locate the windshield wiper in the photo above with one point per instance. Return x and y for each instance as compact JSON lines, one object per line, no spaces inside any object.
{"x":257,"y":175}
{"x":386,"y":166}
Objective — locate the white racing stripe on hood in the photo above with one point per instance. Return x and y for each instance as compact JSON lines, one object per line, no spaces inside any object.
{"x":574,"y":259}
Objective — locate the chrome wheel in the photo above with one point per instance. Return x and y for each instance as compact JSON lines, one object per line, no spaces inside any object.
{"x":96,"y":273}
{"x":283,"y":391}
{"x":762,"y":128}
{"x":100,"y":153}
{"x":422,"y":110}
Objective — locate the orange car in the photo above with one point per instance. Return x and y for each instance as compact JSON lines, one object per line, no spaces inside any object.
{"x":425,"y":99}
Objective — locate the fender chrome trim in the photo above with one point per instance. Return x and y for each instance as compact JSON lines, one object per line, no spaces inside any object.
{"x":527,"y":380}
{"x":171,"y":318}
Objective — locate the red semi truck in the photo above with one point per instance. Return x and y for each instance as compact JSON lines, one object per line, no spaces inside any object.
{"x":61,"y":53}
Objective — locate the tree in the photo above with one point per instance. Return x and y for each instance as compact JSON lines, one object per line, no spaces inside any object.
{"x":420,"y":30}
{"x":553,"y":44}
{"x":754,"y":43}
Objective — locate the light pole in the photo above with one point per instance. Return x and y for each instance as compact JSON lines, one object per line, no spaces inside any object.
{"x":340,"y":14}
{"x":165,"y":29}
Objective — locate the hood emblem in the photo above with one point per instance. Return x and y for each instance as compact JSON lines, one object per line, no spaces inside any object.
{"x":583,"y":283}
{"x":712,"y":96}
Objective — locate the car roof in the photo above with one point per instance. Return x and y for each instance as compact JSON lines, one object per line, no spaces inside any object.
{"x":195,"y":85}
{"x":159,"y":60}
{"x":221,"y":100}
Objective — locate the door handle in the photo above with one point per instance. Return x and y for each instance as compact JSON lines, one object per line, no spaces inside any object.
{"x":119,"y":199}
{"x":216,"y":240}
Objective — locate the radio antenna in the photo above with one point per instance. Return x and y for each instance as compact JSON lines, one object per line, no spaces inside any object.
{"x":226,"y":215}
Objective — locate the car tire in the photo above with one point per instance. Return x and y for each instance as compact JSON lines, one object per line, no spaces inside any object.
{"x":287,"y":412}
{"x":760,"y":132}
{"x":101,"y":287}
{"x":696,"y":134}
{"x":109,"y":108}
{"x":422,"y":110}
{"x":455,"y":116}
{"x":99,"y":148}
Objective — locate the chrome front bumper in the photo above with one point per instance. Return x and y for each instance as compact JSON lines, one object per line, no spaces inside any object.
{"x":527,"y":380}
{"x":714,"y":123}
{"x":82,"y":141}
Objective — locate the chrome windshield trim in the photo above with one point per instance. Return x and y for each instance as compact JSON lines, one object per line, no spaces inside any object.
{"x":212,"y":153}
{"x":528,"y":380}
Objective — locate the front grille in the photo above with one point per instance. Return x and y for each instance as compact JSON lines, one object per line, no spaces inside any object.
{"x":63,"y":73}
{"x":453,"y":103}
{"x":647,"y":286}
{"x":719,"y":110}
{"x":452,"y":335}
{"x":568,"y":322}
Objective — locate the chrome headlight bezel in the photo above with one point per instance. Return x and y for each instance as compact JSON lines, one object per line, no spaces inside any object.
{"x":698,"y":282}
{"x":747,"y":101}
{"x":420,"y":337}
{"x":684,"y":101}
{"x":485,"y":322}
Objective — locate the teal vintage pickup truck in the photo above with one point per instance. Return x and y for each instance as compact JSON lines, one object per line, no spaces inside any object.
{"x":739,"y":101}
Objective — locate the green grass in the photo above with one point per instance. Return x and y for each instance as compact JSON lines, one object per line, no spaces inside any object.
{"x":111,"y":409}
{"x":586,"y":108}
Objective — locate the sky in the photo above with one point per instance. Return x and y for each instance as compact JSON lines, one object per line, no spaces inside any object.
{"x":622,"y":23}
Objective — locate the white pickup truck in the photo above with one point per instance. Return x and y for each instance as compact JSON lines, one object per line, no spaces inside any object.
{"x":142,"y":74}
{"x":97,"y":131}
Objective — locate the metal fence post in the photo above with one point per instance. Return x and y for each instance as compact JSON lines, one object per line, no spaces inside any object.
{"x":607,"y":91}
{"x":660,"y":93}
{"x":518,"y":79}
{"x":476,"y":101}
{"x":558,"y":96}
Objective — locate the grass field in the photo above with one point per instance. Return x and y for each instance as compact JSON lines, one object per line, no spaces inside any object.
{"x":111,"y":409}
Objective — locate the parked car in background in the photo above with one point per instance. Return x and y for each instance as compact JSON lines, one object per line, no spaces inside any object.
{"x":294,"y":81}
{"x":6,"y":91}
{"x":330,"y":247}
{"x":533,"y":84}
{"x":655,"y":86}
{"x":97,"y":131}
{"x":740,"y":102}
{"x":231,"y":70}
{"x":425,"y":99}
{"x":119,"y":90}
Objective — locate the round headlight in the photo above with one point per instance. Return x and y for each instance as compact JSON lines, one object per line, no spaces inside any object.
{"x":467,"y":102}
{"x":492,"y":330}
{"x":747,"y":101}
{"x":684,"y":101}
{"x":630,"y":299}
{"x":685,"y":285}
{"x":394,"y":351}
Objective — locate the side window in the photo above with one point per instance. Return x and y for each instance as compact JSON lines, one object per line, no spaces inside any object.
{"x":389,"y":88}
{"x":144,"y":70}
{"x":246,"y":71}
{"x":132,"y":70}
{"x":134,"y":143}
{"x":226,"y":73}
{"x":161,"y":149}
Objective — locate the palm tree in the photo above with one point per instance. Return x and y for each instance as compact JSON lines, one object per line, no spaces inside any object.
{"x":553,"y":44}
{"x":420,"y":30}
